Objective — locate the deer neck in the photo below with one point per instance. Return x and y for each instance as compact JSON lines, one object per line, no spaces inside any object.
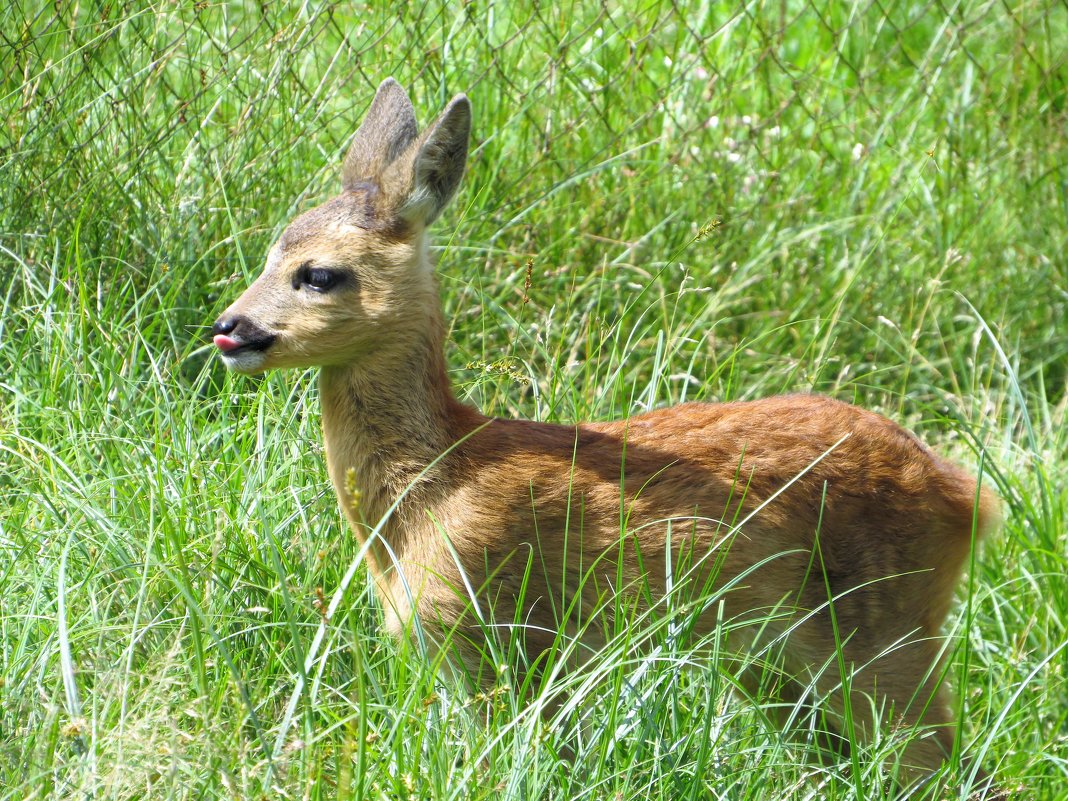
{"x":386,"y":424}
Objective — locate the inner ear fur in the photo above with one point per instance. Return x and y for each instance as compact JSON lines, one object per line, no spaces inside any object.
{"x":438,"y":163}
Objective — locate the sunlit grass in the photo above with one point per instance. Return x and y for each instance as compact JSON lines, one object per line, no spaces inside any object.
{"x":664,"y":203}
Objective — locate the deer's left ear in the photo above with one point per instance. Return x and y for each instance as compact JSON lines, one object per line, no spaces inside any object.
{"x":387,"y":131}
{"x":439,"y":163}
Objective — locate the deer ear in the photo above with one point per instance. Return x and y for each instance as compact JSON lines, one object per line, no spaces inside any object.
{"x":387,"y":131}
{"x":439,"y":163}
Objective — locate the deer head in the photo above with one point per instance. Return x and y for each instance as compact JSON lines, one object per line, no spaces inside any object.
{"x":350,"y":281}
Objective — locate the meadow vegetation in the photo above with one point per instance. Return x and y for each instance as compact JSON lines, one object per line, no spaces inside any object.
{"x":665,"y":201}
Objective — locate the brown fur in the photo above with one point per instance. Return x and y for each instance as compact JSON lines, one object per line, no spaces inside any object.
{"x":771,"y":507}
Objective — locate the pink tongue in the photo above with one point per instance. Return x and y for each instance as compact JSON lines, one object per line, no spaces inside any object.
{"x":225,"y":343}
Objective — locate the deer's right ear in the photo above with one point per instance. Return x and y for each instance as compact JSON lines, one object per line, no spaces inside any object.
{"x":439,"y":163}
{"x":386,"y":132}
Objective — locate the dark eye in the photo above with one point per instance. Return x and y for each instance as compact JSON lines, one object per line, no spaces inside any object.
{"x":319,"y":279}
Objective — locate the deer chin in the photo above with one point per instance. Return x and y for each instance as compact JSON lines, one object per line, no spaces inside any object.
{"x":248,"y":362}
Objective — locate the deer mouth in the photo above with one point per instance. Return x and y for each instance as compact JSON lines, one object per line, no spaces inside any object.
{"x":244,"y":356}
{"x":231,"y":347}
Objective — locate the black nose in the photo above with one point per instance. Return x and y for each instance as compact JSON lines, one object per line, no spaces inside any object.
{"x":224,"y":325}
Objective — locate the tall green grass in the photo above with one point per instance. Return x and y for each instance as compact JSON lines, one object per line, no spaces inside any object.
{"x":664,"y":202}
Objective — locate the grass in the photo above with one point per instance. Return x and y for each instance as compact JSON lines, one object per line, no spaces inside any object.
{"x":667,"y":202}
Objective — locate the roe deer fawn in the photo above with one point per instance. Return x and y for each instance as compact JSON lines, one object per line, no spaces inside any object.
{"x":848,"y":522}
